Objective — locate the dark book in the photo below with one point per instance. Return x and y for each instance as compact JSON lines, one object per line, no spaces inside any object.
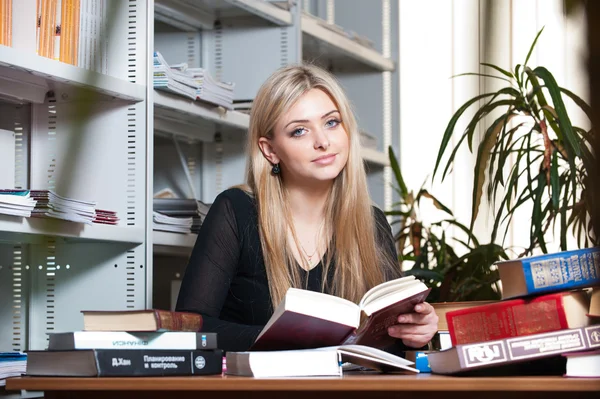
{"x":509,"y":351}
{"x":132,"y":340}
{"x":519,"y":317}
{"x":307,"y":319}
{"x":124,"y":363}
{"x":140,"y":320}
{"x":550,"y":273}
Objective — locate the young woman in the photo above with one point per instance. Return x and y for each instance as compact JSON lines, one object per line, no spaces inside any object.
{"x":304,"y":219}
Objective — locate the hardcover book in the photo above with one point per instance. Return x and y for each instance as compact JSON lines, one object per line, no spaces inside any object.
{"x":307,"y":319}
{"x":550,"y":273}
{"x":519,"y":317}
{"x":124,"y":363}
{"x":141,"y":320}
{"x":131,"y":340}
{"x":508,"y":351}
{"x":442,"y":308}
{"x":326,"y":361}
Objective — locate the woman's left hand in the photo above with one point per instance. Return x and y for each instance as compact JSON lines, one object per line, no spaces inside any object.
{"x":416,"y":329}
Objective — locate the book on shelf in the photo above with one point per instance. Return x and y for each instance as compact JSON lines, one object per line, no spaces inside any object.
{"x":325,"y":361}
{"x":583,"y":364}
{"x":50,"y":204}
{"x":124,"y":363}
{"x":308,"y":319}
{"x":15,"y":202}
{"x":559,"y":271}
{"x":519,"y":317}
{"x":12,"y":364}
{"x":172,"y":224}
{"x":132,"y":340}
{"x":140,"y":320}
{"x":442,"y":308}
{"x":491,"y":354}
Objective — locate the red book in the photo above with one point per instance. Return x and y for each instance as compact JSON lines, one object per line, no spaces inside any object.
{"x":307,"y":319}
{"x":140,"y":320}
{"x":519,"y":317}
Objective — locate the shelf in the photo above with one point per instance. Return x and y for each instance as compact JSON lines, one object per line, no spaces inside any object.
{"x":201,"y":14}
{"x":374,"y":157}
{"x":26,"y":77}
{"x":326,"y":46}
{"x":179,"y":115}
{"x":33,"y":230}
{"x":167,"y":243}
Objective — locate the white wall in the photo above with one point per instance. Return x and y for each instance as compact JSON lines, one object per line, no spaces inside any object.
{"x":441,"y":38}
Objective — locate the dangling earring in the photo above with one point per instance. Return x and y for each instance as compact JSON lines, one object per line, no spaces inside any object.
{"x":276,"y":169}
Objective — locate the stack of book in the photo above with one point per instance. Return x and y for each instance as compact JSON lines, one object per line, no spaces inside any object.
{"x":106,"y":217}
{"x":171,"y":224}
{"x":195,"y":83}
{"x":130,"y":343}
{"x":170,"y":209}
{"x":16,"y":203}
{"x":544,"y":323}
{"x":12,"y":364}
{"x":52,"y":205}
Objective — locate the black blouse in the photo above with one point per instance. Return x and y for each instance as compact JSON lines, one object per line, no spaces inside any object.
{"x":226,"y":281}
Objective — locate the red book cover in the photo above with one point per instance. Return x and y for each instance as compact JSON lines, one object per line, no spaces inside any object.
{"x":518,"y":317}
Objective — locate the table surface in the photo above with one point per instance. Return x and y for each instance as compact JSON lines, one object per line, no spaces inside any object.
{"x":355,"y":382}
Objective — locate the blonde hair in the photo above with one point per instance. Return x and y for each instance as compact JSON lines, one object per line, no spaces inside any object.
{"x":360,"y":260}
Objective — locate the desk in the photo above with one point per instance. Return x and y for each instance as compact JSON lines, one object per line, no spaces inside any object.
{"x":421,"y":386}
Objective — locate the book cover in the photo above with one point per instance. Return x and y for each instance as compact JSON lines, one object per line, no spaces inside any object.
{"x":131,"y":340}
{"x":550,"y":273}
{"x":124,"y":363}
{"x":141,"y":320}
{"x":519,"y":317}
{"x":499,"y":353}
{"x":307,"y":319}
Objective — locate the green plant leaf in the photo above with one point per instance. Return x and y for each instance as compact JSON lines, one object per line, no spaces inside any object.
{"x":435,"y":201}
{"x":465,"y":229}
{"x":482,"y":75}
{"x":577,"y":100}
{"x":397,"y":172}
{"x":554,"y":181}
{"x":483,"y":155}
{"x":497,"y":68}
{"x":450,"y":127}
{"x":482,"y":112}
{"x":564,"y":121}
{"x":532,"y":46}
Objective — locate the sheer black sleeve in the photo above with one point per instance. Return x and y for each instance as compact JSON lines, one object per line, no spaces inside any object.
{"x":210,"y":271}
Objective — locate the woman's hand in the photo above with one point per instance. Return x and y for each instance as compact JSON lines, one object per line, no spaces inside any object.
{"x":416,"y":329}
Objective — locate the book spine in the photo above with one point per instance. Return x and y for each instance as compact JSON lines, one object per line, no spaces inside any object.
{"x":513,"y":350}
{"x":512,"y":318}
{"x":139,"y":341}
{"x":133,"y":363}
{"x":177,"y":321}
{"x":562,"y":271}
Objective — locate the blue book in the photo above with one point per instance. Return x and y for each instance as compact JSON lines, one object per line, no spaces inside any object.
{"x":542,"y":274}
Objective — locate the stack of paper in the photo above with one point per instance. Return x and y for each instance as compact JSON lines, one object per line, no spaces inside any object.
{"x":182,"y":208}
{"x":106,"y":217}
{"x":52,"y":205}
{"x":172,"y":224}
{"x":12,"y":364}
{"x":195,"y":83}
{"x":16,"y":203}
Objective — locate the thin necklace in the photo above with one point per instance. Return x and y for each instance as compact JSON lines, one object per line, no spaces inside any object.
{"x":317,"y":235}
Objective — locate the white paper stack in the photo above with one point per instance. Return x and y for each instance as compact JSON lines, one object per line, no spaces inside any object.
{"x":195,"y":83}
{"x":12,"y":364}
{"x":16,"y":203}
{"x":172,"y":224}
{"x":52,"y":205}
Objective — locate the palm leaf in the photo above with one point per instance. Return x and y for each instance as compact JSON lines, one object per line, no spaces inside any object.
{"x":435,"y":201}
{"x":532,"y":46}
{"x":397,"y":173}
{"x":497,"y":68}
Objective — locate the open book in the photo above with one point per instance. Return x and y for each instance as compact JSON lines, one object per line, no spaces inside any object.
{"x":313,"y":362}
{"x":309,"y":319}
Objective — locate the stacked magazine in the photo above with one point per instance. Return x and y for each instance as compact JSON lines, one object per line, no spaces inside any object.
{"x":16,"y":203}
{"x":195,"y":83}
{"x":12,"y":364}
{"x":53,"y":205}
{"x":172,"y":213}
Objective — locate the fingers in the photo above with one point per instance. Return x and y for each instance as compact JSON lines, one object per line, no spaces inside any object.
{"x":424,"y":314}
{"x":424,"y":308}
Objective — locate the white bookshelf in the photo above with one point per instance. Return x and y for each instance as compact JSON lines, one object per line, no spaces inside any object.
{"x":27,"y":77}
{"x":374,"y":157}
{"x":35,"y":230}
{"x":334,"y":46}
{"x":167,"y":243}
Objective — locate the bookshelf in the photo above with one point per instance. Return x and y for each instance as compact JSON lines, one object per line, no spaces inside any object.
{"x":109,"y":137}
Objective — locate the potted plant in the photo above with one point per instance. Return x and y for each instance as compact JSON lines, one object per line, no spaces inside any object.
{"x":551,"y":158}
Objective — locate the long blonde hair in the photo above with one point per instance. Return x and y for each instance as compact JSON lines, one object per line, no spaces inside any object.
{"x":360,"y":260}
